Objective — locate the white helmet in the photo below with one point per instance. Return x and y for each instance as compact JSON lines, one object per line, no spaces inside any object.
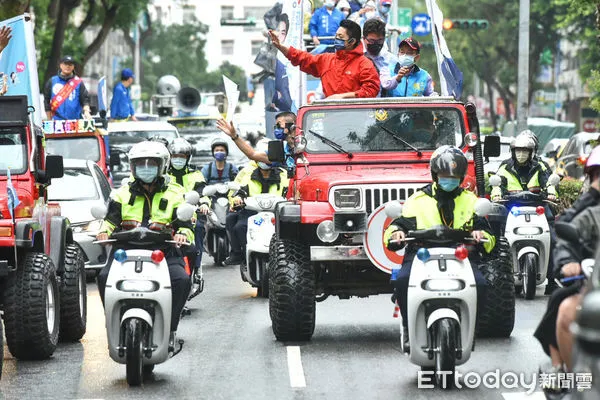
{"x":523,"y":141}
{"x":144,"y":156}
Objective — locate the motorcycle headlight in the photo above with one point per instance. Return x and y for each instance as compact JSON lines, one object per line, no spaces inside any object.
{"x":137,"y":286}
{"x":346,"y":198}
{"x":528,"y":230}
{"x":265,"y":203}
{"x":92,"y":226}
{"x":443,"y":285}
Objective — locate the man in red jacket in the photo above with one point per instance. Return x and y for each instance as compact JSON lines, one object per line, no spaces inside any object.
{"x":345,"y":74}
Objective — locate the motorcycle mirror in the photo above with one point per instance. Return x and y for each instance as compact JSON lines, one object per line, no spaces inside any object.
{"x":209,"y":190}
{"x":587,"y":266}
{"x":495,"y":180}
{"x":483,"y":207}
{"x":99,"y":211}
{"x":567,"y":231}
{"x":185,"y":212}
{"x":554,"y":180}
{"x":234,"y":186}
{"x":192,"y":197}
{"x":393,"y":209}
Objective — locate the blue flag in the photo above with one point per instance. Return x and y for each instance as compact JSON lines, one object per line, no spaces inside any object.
{"x":13,"y":198}
{"x":102,"y":94}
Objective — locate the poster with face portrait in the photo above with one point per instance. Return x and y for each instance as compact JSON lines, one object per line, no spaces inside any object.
{"x":290,"y":83}
{"x":18,"y":64}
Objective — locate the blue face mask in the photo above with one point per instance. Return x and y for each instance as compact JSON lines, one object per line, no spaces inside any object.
{"x":279,"y":133}
{"x":178,"y":162}
{"x":339,"y":44}
{"x":146,"y":174}
{"x":220,"y":155}
{"x":448,"y":184}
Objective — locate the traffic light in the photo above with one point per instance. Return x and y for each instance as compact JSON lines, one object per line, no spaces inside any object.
{"x":238,"y":22}
{"x":467,"y":24}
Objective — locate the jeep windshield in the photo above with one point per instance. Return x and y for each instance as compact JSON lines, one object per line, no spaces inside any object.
{"x":84,"y":148}
{"x":384,"y":129}
{"x":13,"y":150}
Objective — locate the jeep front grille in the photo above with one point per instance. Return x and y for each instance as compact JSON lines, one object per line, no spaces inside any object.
{"x":376,"y":196}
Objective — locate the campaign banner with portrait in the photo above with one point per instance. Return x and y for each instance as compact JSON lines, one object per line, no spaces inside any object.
{"x":18,"y":64}
{"x":290,"y":83}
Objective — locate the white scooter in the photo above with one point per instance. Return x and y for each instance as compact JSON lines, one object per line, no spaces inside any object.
{"x":528,"y":234}
{"x":138,"y":299}
{"x":216,"y":242}
{"x":261,"y":228}
{"x":442,"y":299}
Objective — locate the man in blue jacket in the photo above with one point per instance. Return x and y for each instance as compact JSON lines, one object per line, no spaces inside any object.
{"x":325,"y":22}
{"x":65,"y":94}
{"x":409,"y":80}
{"x":121,"y":107}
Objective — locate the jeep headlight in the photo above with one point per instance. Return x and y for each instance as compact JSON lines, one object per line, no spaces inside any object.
{"x":346,"y":198}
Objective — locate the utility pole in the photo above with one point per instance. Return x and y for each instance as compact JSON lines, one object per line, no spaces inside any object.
{"x":523,"y":76}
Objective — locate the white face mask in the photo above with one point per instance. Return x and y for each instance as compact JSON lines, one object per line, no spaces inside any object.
{"x":346,"y":13}
{"x":522,"y":156}
{"x":330,"y":4}
{"x":370,"y":14}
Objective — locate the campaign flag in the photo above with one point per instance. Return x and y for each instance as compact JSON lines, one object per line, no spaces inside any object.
{"x":18,"y":64}
{"x":13,"y":198}
{"x":451,"y":78}
{"x":102,"y":99}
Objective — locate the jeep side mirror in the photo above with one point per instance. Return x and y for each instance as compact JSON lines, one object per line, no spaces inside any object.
{"x":275,"y":152}
{"x":99,"y":211}
{"x":54,"y":167}
{"x":393,"y":209}
{"x":491,"y":146}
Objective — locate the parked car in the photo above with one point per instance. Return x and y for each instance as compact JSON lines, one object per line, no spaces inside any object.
{"x":494,"y":162}
{"x":575,"y":154}
{"x":92,"y":188}
{"x":553,"y":150}
{"x":123,"y":135}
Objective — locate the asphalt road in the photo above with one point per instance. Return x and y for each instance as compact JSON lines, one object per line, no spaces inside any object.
{"x":230,"y":353}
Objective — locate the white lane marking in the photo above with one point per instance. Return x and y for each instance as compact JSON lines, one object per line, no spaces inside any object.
{"x":295,"y":367}
{"x":524,"y":396}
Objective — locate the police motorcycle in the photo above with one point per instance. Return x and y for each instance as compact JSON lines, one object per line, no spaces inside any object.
{"x":261,"y":228}
{"x":586,"y":328}
{"x":442,"y":298}
{"x":138,"y":300}
{"x":216,"y":242}
{"x":528,"y":234}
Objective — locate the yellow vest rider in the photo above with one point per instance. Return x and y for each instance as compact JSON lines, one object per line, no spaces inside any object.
{"x":191,"y":179}
{"x":264,"y":179}
{"x":441,"y":203}
{"x":150,"y":200}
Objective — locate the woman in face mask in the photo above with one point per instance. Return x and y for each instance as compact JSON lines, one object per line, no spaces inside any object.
{"x":408,"y":79}
{"x":219,"y":170}
{"x":344,"y":7}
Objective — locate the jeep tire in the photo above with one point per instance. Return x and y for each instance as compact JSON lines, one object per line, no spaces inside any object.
{"x":32,"y":308}
{"x":497,"y":316}
{"x":73,"y":296}
{"x":292,"y":291}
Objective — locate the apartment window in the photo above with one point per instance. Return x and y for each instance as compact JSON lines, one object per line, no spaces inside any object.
{"x":226,"y":12}
{"x":227,"y":47}
{"x":189,"y":14}
{"x":257,"y":13}
{"x":256,"y":45}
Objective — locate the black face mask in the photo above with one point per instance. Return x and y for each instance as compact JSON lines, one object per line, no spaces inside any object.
{"x":374,"y":48}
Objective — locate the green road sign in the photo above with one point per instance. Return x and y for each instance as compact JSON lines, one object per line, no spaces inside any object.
{"x":404,"y":16}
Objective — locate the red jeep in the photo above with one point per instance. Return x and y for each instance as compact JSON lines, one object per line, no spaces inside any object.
{"x":42,"y":275}
{"x":360,"y":154}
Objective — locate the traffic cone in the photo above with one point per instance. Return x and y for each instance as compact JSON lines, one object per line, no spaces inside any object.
{"x":396,"y":310}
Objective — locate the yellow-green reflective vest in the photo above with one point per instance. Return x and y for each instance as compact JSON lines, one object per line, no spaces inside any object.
{"x":190,"y":180}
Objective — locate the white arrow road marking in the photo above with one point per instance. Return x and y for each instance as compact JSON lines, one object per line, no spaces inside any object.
{"x":295,"y":367}
{"x":524,"y":396}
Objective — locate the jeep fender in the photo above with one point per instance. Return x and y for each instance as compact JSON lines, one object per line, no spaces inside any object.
{"x":287,"y":220}
{"x":29,"y":235}
{"x":60,"y":236}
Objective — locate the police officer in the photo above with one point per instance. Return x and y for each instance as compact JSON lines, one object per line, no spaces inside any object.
{"x":65,"y":94}
{"x":524,"y":172}
{"x":150,"y":198}
{"x":264,"y":179}
{"x":191,"y":179}
{"x":441,"y":203}
{"x":219,"y":170}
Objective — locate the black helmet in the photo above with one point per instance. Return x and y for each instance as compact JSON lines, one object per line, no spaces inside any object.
{"x":448,"y":160}
{"x":159,"y":139}
{"x":219,"y":142}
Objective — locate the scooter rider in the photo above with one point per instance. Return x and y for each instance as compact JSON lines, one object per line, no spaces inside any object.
{"x":553,"y":332}
{"x":151,"y":200}
{"x":191,"y":179}
{"x":524,"y":172}
{"x":264,"y":179}
{"x":219,"y":170}
{"x":441,"y":203}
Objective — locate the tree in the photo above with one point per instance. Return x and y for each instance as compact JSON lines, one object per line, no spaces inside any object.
{"x":12,"y":8}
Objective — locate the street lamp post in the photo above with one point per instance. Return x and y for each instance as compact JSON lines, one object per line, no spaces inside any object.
{"x":523,"y":75}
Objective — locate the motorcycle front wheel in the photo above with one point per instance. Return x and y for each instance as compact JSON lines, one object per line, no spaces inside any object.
{"x":530,"y":263}
{"x":135,"y":351}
